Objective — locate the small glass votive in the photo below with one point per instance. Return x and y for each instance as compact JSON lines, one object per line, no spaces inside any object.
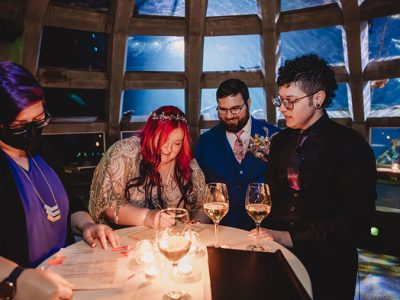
{"x":185,"y":266}
{"x":145,"y":252}
{"x":151,"y":271}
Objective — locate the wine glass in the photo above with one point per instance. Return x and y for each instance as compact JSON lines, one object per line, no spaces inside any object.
{"x":216,"y":205}
{"x":174,"y":240}
{"x":258,"y":206}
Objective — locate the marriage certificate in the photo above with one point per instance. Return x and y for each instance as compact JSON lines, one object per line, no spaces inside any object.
{"x":90,"y":268}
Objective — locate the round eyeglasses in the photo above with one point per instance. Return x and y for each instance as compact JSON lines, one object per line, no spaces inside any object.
{"x":289,"y":105}
{"x":234,"y":110}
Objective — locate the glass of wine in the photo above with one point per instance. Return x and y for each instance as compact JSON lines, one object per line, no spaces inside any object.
{"x":258,"y":206}
{"x":216,"y":205}
{"x":174,"y":240}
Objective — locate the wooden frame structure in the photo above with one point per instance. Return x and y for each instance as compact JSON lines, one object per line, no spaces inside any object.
{"x":118,"y":23}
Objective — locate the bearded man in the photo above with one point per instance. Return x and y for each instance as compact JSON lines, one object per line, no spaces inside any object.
{"x":222,"y":151}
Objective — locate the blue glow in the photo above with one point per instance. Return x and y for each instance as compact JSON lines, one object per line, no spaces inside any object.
{"x":143,"y":102}
{"x":340,"y":102}
{"x":381,"y":138}
{"x":326,"y":42}
{"x":232,"y":53}
{"x":155,"y":53}
{"x":386,"y":97}
{"x":174,"y":8}
{"x":298,"y":4}
{"x":231,"y":7}
{"x":384,"y":37}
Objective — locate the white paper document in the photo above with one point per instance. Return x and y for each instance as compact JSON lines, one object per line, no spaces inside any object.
{"x":92,"y":268}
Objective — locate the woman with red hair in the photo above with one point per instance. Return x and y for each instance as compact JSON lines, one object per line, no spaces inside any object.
{"x":139,"y":176}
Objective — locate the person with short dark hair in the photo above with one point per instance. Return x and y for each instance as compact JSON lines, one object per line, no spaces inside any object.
{"x":222,"y":152}
{"x":322,"y":178}
{"x":37,"y":214}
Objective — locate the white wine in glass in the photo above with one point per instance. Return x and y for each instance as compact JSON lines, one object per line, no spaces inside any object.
{"x":216,"y":205}
{"x":258,"y":206}
{"x":174,"y":241}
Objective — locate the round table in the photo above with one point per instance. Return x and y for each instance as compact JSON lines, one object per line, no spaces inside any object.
{"x":197,"y":285}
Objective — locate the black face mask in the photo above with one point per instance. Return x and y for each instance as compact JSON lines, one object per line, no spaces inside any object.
{"x":27,"y":137}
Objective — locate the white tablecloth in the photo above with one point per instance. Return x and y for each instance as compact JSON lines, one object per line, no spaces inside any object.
{"x":197,"y":285}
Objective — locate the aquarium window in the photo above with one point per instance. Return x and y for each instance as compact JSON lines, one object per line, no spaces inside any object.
{"x":140,"y":103}
{"x":70,"y":48}
{"x":155,"y":53}
{"x":325,"y":42}
{"x":78,"y":151}
{"x":75,"y":102}
{"x":232,"y":53}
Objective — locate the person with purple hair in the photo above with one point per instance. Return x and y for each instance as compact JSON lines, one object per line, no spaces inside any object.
{"x":37,"y":214}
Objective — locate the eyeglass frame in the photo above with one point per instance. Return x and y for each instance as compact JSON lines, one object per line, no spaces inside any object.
{"x":278,"y":100}
{"x":22,"y":128}
{"x":226,"y":110}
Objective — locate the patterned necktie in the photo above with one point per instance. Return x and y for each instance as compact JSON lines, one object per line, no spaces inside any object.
{"x":294,"y":163}
{"x":238,"y":148}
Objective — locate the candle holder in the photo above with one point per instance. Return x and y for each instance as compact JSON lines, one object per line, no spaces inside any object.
{"x":145,"y":252}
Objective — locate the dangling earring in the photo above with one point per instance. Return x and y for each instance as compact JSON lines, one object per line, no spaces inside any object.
{"x":317,"y":105}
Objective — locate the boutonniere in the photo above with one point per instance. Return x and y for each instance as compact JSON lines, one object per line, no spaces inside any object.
{"x":259,"y":145}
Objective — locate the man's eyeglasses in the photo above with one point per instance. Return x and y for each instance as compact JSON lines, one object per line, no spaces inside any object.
{"x":278,"y":101}
{"x":234,"y":110}
{"x":22,"y":128}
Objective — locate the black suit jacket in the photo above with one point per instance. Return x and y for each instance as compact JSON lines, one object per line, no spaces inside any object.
{"x":13,"y":231}
{"x":335,"y":204}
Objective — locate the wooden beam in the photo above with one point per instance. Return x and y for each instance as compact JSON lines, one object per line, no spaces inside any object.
{"x":371,"y":9}
{"x":311,"y":17}
{"x":157,"y":25}
{"x":353,"y":49}
{"x":155,"y":80}
{"x":383,"y":122}
{"x":382,"y":69}
{"x":75,"y":127}
{"x":78,"y":18}
{"x":208,"y":124}
{"x":341,"y":73}
{"x":35,"y":11}
{"x":132,"y":126}
{"x":213,"y":79}
{"x":120,"y":13}
{"x":10,"y":10}
{"x":270,"y":38}
{"x":194,"y":41}
{"x":67,"y":78}
{"x":232,"y":25}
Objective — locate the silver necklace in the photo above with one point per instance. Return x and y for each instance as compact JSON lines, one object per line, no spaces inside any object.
{"x":53,"y":212}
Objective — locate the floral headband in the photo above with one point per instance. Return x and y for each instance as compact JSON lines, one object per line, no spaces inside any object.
{"x":163,"y":117}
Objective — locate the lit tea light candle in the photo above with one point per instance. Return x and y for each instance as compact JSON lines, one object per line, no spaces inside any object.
{"x":185,"y":266}
{"x":147,"y":257}
{"x":151,"y":272}
{"x":145,"y":252}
